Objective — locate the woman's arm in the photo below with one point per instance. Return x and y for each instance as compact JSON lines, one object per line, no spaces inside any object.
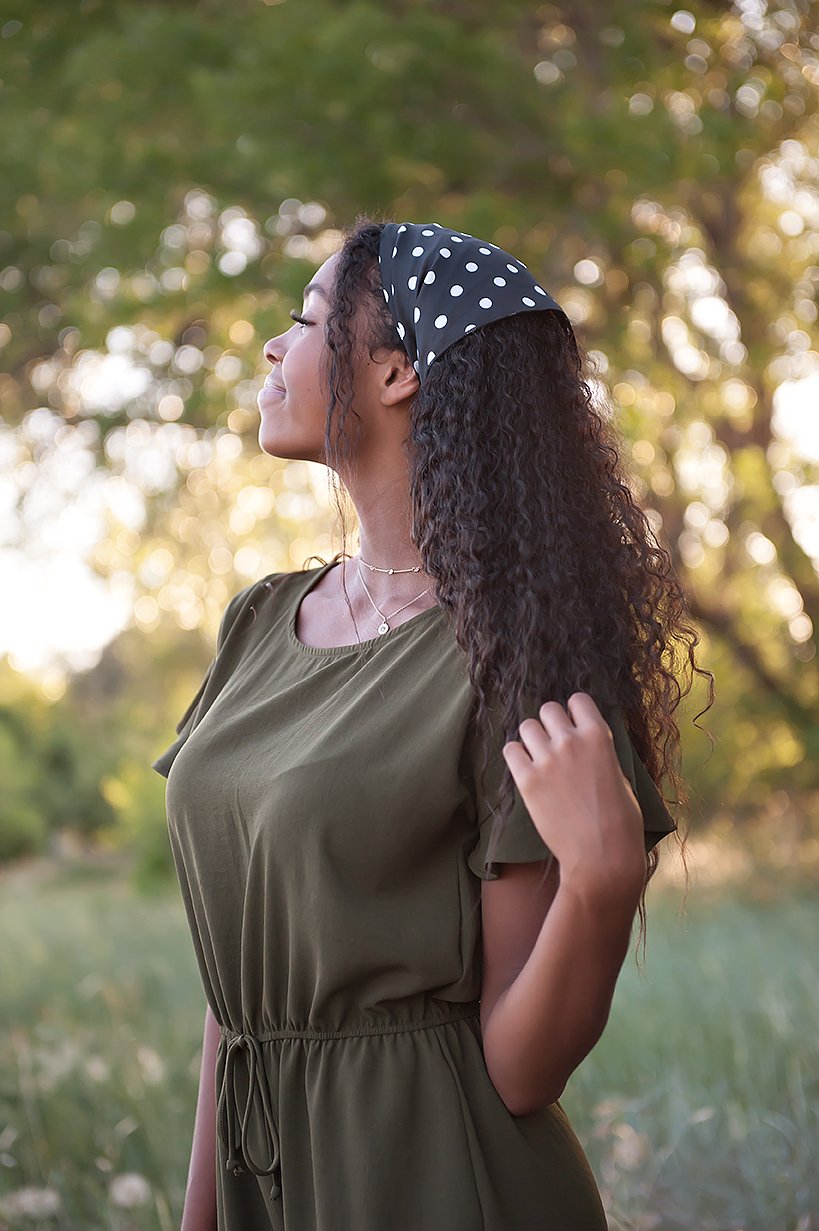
{"x":545,"y":1013}
{"x":541,"y":1016}
{"x":200,"y":1199}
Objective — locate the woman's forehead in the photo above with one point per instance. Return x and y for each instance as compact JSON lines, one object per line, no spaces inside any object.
{"x":322,"y":279}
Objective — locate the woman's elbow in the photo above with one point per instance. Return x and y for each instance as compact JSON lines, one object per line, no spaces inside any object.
{"x":527,"y":1098}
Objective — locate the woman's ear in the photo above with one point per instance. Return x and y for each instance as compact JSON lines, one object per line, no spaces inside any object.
{"x":398,"y":379}
{"x":402,"y":382}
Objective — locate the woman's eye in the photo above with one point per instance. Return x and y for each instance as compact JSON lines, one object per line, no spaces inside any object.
{"x":295,"y":316}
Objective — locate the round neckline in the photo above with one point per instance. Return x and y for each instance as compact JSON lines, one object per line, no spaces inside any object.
{"x":336,"y":650}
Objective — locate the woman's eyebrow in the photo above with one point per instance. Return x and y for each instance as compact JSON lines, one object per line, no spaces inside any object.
{"x":314,"y":286}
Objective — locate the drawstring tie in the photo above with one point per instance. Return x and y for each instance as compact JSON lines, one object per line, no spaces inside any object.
{"x":238,"y":1157}
{"x":238,"y":1154}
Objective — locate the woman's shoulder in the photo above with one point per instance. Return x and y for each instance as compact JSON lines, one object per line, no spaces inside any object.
{"x":243,"y":601}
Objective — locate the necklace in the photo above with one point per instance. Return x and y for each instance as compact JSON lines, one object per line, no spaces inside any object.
{"x":416,"y":568}
{"x":384,"y":626}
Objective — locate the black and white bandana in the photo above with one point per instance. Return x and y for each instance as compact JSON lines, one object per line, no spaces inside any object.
{"x":440,"y":284}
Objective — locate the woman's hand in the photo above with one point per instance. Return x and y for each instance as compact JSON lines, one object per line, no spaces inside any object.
{"x":566,"y":770}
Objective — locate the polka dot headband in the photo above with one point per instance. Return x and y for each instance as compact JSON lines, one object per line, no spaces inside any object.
{"x":441,"y":284}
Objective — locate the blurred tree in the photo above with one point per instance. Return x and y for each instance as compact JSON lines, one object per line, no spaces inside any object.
{"x":51,"y":773}
{"x":173,"y":174}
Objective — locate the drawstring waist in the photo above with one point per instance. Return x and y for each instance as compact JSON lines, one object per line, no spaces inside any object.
{"x":238,"y":1042}
{"x":238,"y":1155}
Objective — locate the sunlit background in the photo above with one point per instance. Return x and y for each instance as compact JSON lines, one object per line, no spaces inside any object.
{"x":60,"y":507}
{"x":172,"y":177}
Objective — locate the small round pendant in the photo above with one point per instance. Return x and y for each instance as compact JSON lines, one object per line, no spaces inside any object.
{"x":384,"y":628}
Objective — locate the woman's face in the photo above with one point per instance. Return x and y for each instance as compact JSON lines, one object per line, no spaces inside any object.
{"x":293,"y":399}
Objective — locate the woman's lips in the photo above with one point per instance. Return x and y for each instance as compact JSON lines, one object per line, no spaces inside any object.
{"x":269,"y":384}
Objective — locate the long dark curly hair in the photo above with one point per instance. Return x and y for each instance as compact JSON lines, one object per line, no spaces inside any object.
{"x":548,"y":572}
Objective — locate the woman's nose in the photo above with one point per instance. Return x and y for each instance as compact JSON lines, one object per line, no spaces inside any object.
{"x":271,"y":350}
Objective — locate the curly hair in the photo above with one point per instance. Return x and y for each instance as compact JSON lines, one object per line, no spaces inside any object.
{"x":548,"y":571}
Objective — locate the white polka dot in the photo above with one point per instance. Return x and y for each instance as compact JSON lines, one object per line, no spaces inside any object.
{"x":530,"y":303}
{"x":485,"y":303}
{"x":416,"y":316}
{"x":418,"y":251}
{"x":412,"y":282}
{"x":485,"y":251}
{"x":471,"y":266}
{"x":415,"y":364}
{"x":456,"y":239}
{"x":395,"y":249}
{"x":429,"y":277}
{"x":470,"y":327}
{"x":499,"y":281}
{"x":393,"y":288}
{"x":401,"y":329}
{"x":540,"y":290}
{"x":445,"y":252}
{"x":430,"y":356}
{"x":427,"y":232}
{"x":513,"y":269}
{"x":456,"y":290}
{"x":440,"y":321}
{"x":386,"y":296}
{"x":400,"y":229}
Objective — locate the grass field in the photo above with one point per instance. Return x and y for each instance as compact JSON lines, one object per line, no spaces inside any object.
{"x":698,"y":1108}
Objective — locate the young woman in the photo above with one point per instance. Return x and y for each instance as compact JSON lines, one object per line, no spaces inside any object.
{"x":406,"y":950}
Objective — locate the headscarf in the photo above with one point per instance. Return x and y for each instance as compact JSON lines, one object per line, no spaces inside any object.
{"x":441,"y":284}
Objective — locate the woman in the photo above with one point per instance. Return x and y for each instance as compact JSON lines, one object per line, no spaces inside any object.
{"x":406,"y":951}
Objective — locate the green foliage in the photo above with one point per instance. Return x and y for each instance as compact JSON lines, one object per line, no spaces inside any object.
{"x":22,"y":827}
{"x":50,"y":775}
{"x":174,"y":173}
{"x":140,"y":828}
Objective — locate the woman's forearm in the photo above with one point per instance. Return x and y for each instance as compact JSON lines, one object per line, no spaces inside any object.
{"x":200,"y":1198}
{"x":555,"y":1010}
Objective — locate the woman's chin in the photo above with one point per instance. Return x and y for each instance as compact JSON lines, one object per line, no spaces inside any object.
{"x":278,"y":443}
{"x":284,"y":446}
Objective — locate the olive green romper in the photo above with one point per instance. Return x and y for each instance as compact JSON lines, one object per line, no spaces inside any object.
{"x":329,"y":835}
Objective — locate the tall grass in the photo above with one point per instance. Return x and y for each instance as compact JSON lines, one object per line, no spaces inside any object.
{"x":698,"y":1107}
{"x":101,"y":1016}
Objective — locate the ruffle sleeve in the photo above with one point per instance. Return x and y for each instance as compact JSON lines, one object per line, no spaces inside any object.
{"x":520,"y":841}
{"x":657,"y":820}
{"x":212,"y":682}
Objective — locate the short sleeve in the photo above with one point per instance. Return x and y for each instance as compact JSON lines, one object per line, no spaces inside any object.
{"x":520,"y":841}
{"x":657,"y":820}
{"x":207,"y":688}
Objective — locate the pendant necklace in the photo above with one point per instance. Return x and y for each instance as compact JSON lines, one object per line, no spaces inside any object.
{"x":384,"y":626}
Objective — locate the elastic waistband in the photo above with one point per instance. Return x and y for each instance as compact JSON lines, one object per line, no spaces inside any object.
{"x":471,"y":1008}
{"x":233,"y":1127}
